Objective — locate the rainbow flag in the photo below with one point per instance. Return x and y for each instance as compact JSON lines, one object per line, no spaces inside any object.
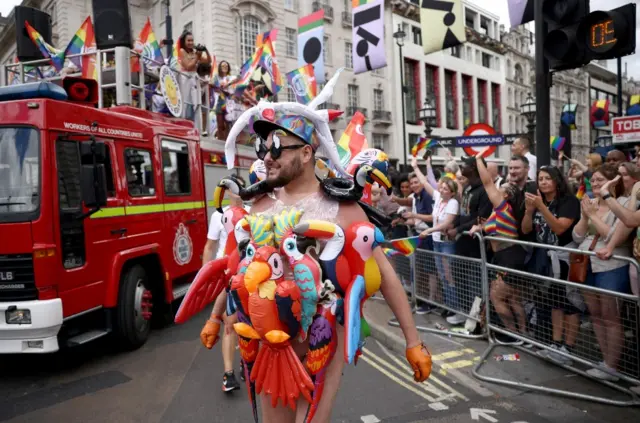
{"x":269,"y":35}
{"x":585,"y":187}
{"x":269,"y":62}
{"x":174,"y":60}
{"x":89,"y":68}
{"x":356,"y":3}
{"x":352,"y":140}
{"x":78,"y":43}
{"x":557,"y":142}
{"x":634,"y":105}
{"x":55,"y":55}
{"x":303,"y":83}
{"x":148,"y":47}
{"x":404,"y":246}
{"x":423,"y":143}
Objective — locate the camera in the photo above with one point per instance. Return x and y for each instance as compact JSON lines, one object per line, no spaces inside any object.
{"x":200,"y":47}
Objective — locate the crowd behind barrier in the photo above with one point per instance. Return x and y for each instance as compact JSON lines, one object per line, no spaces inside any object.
{"x":526,"y":317}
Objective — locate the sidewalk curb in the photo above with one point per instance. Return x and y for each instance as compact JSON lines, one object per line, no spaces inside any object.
{"x":384,"y":335}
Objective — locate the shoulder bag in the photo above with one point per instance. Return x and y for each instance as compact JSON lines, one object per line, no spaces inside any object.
{"x":579,"y":263}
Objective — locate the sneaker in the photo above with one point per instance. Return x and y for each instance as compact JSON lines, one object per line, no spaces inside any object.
{"x":242,"y":378}
{"x":603,"y":373}
{"x":558,"y":358}
{"x":507,"y":340}
{"x":456,"y":319}
{"x":423,"y":309}
{"x":229,"y":382}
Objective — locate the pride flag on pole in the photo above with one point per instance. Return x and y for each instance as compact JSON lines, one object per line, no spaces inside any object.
{"x":269,"y":35}
{"x":422,"y":144}
{"x":352,"y":140}
{"x":148,"y":47}
{"x":303,"y":83}
{"x":557,"y":142}
{"x":49,"y":52}
{"x":269,"y":62}
{"x":78,"y":45}
{"x":404,"y":246}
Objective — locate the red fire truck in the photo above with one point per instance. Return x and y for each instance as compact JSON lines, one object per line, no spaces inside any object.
{"x":103,"y":215}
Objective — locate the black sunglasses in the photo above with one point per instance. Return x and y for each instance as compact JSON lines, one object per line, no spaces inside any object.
{"x":276,"y":146}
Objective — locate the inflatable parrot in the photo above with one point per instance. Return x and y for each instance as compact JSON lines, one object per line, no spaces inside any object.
{"x":347,"y":261}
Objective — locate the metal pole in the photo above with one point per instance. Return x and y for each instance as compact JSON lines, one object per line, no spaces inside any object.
{"x":167,"y":22}
{"x":620,"y":112}
{"x":404,"y":119}
{"x":543,"y":149}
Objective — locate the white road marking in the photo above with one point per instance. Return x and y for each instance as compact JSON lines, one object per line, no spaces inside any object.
{"x":438,"y":406}
{"x":476,"y":413}
{"x":369,"y":419}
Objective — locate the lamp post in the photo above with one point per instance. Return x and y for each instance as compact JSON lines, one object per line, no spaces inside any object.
{"x":167,"y":21}
{"x":399,"y":36}
{"x":428,"y":116}
{"x":528,"y":110}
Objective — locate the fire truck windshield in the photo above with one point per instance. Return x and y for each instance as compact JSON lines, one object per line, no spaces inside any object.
{"x":19,"y":174}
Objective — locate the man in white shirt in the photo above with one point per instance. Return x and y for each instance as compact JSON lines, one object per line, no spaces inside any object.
{"x":216,"y":241}
{"x":521,"y":147}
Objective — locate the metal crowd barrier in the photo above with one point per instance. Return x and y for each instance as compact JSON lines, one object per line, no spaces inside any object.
{"x":617,"y":325}
{"x":515,"y":298}
{"x":448,"y":282}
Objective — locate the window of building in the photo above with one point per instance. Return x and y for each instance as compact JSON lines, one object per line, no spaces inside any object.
{"x":326,"y":50}
{"x":291,"y":5}
{"x":482,"y":101}
{"x":291,"y":95}
{"x":411,"y":93}
{"x":495,"y":105}
{"x":353,"y":99}
{"x":431,"y":88}
{"x":469,"y":18}
{"x":450,"y":101}
{"x":187,"y":2}
{"x":250,"y":27}
{"x":291,"y":41}
{"x":511,"y":130}
{"x":175,"y":168}
{"x":467,"y":100}
{"x":416,"y":34}
{"x":139,"y":168}
{"x":188,"y":27}
{"x":348,"y":55}
{"x":486,"y":60}
{"x":380,"y":141}
{"x":378,"y":99}
{"x":456,"y":51}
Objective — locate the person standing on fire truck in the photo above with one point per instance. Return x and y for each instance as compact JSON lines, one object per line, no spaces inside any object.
{"x":216,"y":241}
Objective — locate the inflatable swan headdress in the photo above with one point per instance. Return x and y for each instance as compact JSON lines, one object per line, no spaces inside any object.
{"x":298,"y":118}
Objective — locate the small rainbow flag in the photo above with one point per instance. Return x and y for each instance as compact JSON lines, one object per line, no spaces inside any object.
{"x":390,"y":252}
{"x":557,"y":142}
{"x":356,"y":3}
{"x":77,"y":43}
{"x":423,"y":143}
{"x":269,"y":62}
{"x":55,"y":55}
{"x":353,"y":140}
{"x":404,"y":246}
{"x":303,"y":83}
{"x":148,"y":47}
{"x":269,"y":35}
{"x":585,"y":187}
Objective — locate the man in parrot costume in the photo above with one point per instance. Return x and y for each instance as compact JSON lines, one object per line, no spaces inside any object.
{"x":289,"y":136}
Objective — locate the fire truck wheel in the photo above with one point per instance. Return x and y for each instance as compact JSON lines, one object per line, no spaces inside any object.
{"x":133,"y":313}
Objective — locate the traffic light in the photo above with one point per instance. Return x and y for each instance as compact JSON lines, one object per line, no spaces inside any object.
{"x":609,"y":35}
{"x":575,"y":37}
{"x":561,"y":46}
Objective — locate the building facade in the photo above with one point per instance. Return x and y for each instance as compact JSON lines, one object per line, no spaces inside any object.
{"x":466,"y":84}
{"x":229,"y":28}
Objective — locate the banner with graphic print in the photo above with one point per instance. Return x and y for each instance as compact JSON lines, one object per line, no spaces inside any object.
{"x":311,"y":43}
{"x":368,"y":35}
{"x":520,"y":12}
{"x":442,"y":25}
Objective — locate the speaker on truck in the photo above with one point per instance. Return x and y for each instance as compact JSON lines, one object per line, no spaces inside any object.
{"x":41,"y":22}
{"x":112,"y":24}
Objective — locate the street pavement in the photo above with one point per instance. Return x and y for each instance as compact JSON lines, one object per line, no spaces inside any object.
{"x":174,"y":379}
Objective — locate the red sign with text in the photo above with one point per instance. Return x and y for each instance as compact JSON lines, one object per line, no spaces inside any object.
{"x":625,"y":129}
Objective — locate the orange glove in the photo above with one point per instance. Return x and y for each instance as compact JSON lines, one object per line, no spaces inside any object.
{"x":210,"y":331}
{"x":419,"y":358}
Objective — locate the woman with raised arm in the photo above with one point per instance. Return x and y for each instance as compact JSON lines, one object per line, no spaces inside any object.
{"x":506,"y":290}
{"x":445,"y":210}
{"x":598,"y":224}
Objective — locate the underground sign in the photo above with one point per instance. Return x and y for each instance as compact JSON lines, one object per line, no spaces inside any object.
{"x":479,"y":135}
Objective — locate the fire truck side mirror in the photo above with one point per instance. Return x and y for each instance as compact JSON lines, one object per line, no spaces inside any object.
{"x":94,"y":185}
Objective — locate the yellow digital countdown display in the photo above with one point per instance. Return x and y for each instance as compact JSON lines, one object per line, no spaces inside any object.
{"x":602,"y":36}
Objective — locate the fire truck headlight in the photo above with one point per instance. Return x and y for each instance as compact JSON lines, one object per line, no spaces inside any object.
{"x":18,"y":317}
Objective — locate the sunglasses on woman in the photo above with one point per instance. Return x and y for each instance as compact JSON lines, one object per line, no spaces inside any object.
{"x":276,"y":146}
